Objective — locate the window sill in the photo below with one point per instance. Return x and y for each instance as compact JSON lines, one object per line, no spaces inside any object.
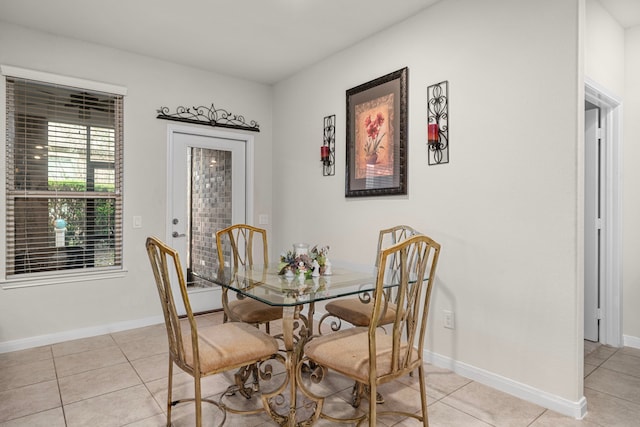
{"x":40,"y":280}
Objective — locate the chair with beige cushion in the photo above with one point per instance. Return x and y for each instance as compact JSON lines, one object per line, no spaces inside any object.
{"x":239,"y":246}
{"x":357,"y":311}
{"x":369,"y":355}
{"x":201,"y":351}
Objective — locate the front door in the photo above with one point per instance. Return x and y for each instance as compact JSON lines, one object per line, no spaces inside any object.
{"x":207,"y":186}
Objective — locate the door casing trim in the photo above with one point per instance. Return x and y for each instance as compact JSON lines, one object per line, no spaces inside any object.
{"x":611,"y":292}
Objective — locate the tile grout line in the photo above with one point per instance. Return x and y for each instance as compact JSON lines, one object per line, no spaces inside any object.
{"x":55,"y":369}
{"x":465,"y":412}
{"x":614,"y":396}
{"x":142,"y":381}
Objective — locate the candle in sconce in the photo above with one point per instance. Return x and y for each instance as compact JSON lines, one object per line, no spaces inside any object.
{"x":432,"y":133}
{"x":324,"y":153}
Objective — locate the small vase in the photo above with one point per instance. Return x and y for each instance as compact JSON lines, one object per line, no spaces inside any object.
{"x":371,"y":159}
{"x":300,"y":249}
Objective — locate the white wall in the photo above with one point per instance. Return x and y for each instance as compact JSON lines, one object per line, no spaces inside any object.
{"x":631,"y":196}
{"x":604,"y":47}
{"x":505,"y":209}
{"x":49,"y":310}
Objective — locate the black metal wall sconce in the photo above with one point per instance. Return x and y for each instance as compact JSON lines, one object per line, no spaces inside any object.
{"x":328,"y":148}
{"x":438,"y":123}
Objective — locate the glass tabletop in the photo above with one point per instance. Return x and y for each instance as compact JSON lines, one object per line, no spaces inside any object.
{"x":266,"y":285}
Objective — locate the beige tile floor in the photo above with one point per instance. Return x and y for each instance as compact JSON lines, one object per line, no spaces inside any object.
{"x":119,"y":379}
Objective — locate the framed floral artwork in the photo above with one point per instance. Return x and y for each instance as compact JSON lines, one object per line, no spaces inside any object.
{"x":377,"y":137}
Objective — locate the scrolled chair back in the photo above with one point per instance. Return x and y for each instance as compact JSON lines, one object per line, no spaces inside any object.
{"x":240,"y":245}
{"x":388,"y":237}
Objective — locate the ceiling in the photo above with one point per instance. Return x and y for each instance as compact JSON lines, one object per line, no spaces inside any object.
{"x":260,"y":40}
{"x":626,"y":12}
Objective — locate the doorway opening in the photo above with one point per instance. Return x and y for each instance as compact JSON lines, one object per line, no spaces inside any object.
{"x":605,"y":217}
{"x":594,"y":174}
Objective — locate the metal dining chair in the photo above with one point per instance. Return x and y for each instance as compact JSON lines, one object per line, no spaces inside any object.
{"x":239,"y":246}
{"x":357,"y":310}
{"x":369,"y":355}
{"x":202,"y":351}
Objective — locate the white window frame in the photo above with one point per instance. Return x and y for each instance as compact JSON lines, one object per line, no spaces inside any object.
{"x":79,"y":275}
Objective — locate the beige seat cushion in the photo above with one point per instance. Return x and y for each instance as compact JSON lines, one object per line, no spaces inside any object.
{"x":347,"y":352}
{"x":249,"y":310}
{"x":229,"y":346}
{"x":358,"y":313}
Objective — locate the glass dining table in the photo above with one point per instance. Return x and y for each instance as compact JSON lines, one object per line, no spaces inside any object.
{"x":297,"y":296}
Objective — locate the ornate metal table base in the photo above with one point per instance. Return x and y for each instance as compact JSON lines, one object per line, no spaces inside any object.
{"x":243,"y":375}
{"x":281,"y":407}
{"x":265,"y":372}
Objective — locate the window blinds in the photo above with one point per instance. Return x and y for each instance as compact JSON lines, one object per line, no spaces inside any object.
{"x":64,"y":178}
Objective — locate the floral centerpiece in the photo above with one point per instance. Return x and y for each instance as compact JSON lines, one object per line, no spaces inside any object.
{"x":374,"y":138}
{"x":305,"y":263}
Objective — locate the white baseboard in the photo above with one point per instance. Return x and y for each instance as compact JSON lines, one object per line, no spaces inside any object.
{"x":547,"y":400}
{"x":74,"y":334}
{"x":630,"y":341}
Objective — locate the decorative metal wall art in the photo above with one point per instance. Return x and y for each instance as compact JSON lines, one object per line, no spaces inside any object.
{"x":212,"y":116}
{"x":438,"y":123}
{"x":328,"y":149}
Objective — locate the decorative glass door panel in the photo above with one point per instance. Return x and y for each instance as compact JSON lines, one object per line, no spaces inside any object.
{"x":208,"y":193}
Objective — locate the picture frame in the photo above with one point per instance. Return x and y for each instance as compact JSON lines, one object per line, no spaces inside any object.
{"x":376,"y":136}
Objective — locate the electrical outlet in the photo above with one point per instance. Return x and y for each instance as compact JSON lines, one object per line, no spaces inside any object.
{"x":448,"y":319}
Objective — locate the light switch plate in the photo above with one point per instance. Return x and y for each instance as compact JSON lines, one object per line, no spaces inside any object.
{"x":449,"y":322}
